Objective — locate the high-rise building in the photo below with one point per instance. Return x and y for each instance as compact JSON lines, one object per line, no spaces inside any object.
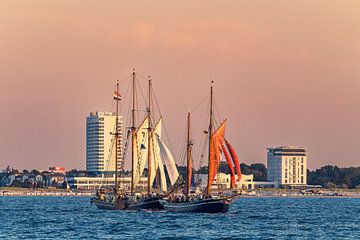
{"x":287,"y":166}
{"x":100,"y":141}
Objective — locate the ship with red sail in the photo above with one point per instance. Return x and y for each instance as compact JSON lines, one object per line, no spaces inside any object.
{"x":209,"y":201}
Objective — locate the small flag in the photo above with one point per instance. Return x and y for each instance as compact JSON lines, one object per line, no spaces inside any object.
{"x":117,"y":96}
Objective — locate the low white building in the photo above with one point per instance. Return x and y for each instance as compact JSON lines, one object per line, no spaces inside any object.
{"x":87,"y":183}
{"x":287,"y":166}
{"x":223,"y":181}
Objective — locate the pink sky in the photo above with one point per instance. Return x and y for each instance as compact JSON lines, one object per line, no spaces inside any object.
{"x":286,"y":73}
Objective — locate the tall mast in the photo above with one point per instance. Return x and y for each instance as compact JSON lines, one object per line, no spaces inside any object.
{"x":133,"y":132}
{"x":210,"y":135}
{"x":116,"y":138}
{"x":149,"y":140}
{"x":189,"y":165}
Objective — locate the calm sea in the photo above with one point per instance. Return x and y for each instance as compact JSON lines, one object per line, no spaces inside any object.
{"x":249,"y":218}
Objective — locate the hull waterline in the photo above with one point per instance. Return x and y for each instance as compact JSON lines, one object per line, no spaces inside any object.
{"x":119,"y":205}
{"x":200,"y":206}
{"x":152,"y":203}
{"x":148,"y":204}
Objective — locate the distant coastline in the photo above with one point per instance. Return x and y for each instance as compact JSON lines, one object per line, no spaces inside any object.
{"x":40,"y":192}
{"x":264,"y":193}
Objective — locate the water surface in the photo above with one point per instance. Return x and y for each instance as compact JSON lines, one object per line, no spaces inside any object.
{"x":249,"y":218}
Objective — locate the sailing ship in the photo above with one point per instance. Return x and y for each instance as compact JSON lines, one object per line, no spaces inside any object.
{"x":207,"y":203}
{"x":147,"y":147}
{"x":115,"y":199}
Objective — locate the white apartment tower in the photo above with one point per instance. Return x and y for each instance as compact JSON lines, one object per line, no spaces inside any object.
{"x":100,"y":141}
{"x":287,"y":166}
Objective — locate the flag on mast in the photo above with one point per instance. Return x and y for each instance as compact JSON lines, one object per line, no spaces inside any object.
{"x":117,"y":96}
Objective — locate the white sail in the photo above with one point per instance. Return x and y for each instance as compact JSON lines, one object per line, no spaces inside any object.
{"x":157,"y":163}
{"x":162,"y":177}
{"x":167,"y":157}
{"x":154,"y":162}
{"x":140,"y":150}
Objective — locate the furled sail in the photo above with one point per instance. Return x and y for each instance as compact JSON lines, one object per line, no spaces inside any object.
{"x":140,"y":150}
{"x":167,"y":157}
{"x":229,"y":163}
{"x":214,"y":158}
{"x":189,"y":175}
{"x":234,"y":158}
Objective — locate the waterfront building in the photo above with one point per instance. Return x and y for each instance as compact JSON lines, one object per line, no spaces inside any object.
{"x":88,"y":181}
{"x":100,"y":141}
{"x":223,"y":180}
{"x":287,"y":166}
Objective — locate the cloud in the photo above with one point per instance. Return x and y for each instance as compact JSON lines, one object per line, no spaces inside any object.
{"x":144,"y":32}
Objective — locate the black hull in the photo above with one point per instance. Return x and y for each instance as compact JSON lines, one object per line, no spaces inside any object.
{"x":120,"y":205}
{"x":149,"y":204}
{"x":199,"y":206}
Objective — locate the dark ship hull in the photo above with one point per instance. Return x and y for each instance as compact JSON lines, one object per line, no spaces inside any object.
{"x":152,"y":203}
{"x":198,"y":206}
{"x":101,"y":204}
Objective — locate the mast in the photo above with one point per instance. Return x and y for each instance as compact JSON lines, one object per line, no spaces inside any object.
{"x":116,"y":139}
{"x":149,"y":140}
{"x":133,"y":133}
{"x":189,"y":165}
{"x":210,"y":135}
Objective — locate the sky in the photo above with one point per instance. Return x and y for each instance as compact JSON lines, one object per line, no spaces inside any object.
{"x":285,"y":72}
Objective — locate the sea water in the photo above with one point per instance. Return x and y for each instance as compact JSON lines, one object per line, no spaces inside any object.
{"x":248,"y":218}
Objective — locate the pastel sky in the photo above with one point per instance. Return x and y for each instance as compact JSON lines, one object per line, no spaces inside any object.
{"x":286,"y":73}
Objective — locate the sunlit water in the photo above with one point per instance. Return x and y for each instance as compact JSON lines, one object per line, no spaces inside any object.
{"x":249,"y":218}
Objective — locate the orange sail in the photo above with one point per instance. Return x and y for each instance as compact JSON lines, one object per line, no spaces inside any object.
{"x":214,"y":158}
{"x":229,"y":163}
{"x":234,"y":158}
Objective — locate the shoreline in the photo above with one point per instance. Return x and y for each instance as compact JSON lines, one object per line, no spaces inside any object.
{"x":27,"y":193}
{"x":52,"y":193}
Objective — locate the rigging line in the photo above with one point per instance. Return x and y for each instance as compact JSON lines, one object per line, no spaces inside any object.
{"x":199,"y":104}
{"x":183,"y":148}
{"x":142,"y":94}
{"x":126,"y":94}
{"x":156,"y":101}
{"x":203,"y":137}
{"x":127,"y":90}
{"x":165,"y":128}
{"x":124,"y":149}
{"x":126,"y":78}
{"x":123,"y":97}
{"x":137,"y":105}
{"x":108,"y":161}
{"x":151,"y":105}
{"x":142,"y":76}
{"x":217,"y":113}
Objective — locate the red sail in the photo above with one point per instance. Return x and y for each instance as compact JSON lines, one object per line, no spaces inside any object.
{"x":229,"y":163}
{"x":234,"y":158}
{"x":214,"y":159}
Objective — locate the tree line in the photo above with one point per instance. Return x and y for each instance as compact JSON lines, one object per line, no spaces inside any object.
{"x":327,"y":176}
{"x":333,"y":177}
